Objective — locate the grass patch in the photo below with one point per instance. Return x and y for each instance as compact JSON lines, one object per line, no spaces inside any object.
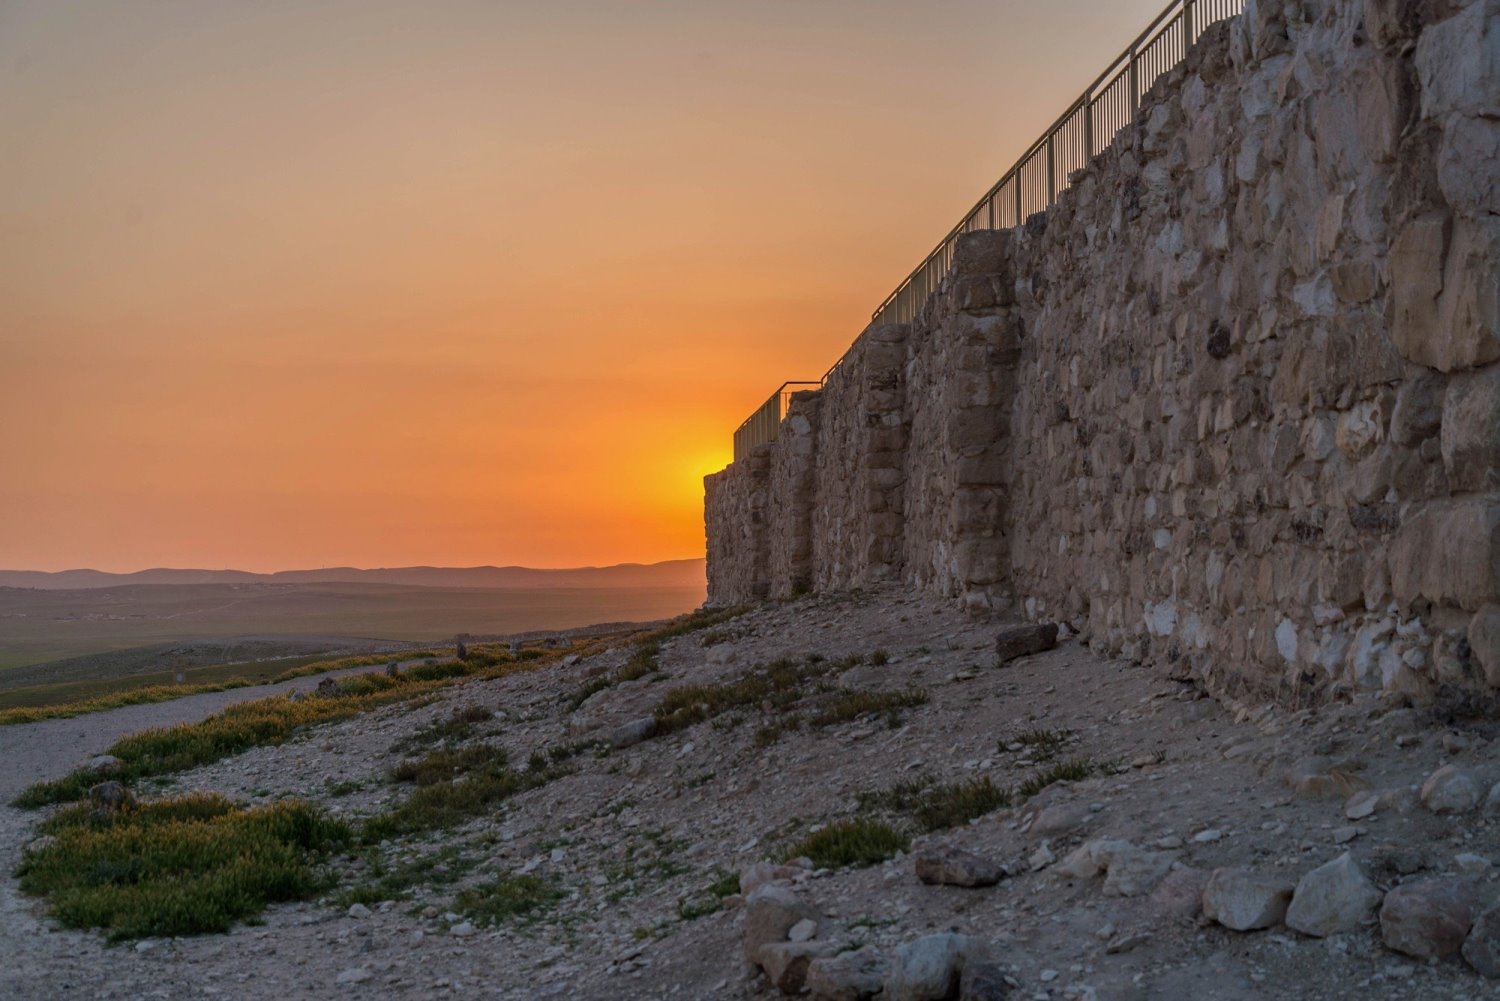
{"x":273,"y":720}
{"x":774,"y":686}
{"x":183,"y":865}
{"x":59,"y":701}
{"x":939,"y":807}
{"x":454,"y":785}
{"x":1071,"y":770}
{"x":851,"y":704}
{"x":448,"y":764}
{"x":644,"y":659}
{"x":857,"y":842}
{"x":104,"y":703}
{"x":507,"y":898}
{"x":776,"y":689}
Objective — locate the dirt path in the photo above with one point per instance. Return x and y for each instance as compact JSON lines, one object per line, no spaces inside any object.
{"x":37,"y":752}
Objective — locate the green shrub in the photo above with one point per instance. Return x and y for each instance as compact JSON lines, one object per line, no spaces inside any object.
{"x":938,"y":807}
{"x":1072,"y":770}
{"x":178,"y":866}
{"x":857,"y":841}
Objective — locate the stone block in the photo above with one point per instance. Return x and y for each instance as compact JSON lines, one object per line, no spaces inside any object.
{"x":1467,"y":155}
{"x":1448,"y":553}
{"x":1458,"y":62}
{"x":1414,"y":267}
{"x":1471,"y":430}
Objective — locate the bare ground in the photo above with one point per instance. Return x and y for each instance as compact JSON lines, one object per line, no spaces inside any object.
{"x":633,"y":834}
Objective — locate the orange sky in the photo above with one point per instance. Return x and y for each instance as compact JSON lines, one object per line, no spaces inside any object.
{"x":290,"y":284}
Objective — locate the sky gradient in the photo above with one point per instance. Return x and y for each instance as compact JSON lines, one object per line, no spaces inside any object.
{"x":297,"y":284}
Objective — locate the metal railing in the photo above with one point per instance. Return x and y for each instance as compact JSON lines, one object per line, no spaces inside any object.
{"x":1085,"y":129}
{"x":762,"y":427}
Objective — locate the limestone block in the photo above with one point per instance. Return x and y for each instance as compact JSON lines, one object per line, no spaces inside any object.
{"x":1415,"y":272}
{"x":1471,"y":430}
{"x":1458,"y":62}
{"x":1468,"y":331}
{"x":1467,"y":155}
{"x":1449,"y":553}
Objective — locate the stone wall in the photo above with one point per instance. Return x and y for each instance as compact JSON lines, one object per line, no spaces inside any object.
{"x":792,"y":485}
{"x":857,"y":515}
{"x":1231,"y":406}
{"x":734,"y":508}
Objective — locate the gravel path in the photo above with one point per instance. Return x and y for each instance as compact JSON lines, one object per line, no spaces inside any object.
{"x":36,"y":752}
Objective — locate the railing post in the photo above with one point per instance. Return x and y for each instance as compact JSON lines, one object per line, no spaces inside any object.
{"x":1051,"y":168}
{"x":1187,"y":25}
{"x":1135,"y":90}
{"x":1017,"y":179}
{"x":1088,"y":128}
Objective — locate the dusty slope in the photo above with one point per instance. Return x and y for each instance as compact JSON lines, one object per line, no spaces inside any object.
{"x":633,"y":833}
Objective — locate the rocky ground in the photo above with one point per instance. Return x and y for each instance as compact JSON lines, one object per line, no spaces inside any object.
{"x":1096,"y":886}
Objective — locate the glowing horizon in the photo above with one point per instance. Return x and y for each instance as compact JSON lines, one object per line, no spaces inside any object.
{"x":371,"y":283}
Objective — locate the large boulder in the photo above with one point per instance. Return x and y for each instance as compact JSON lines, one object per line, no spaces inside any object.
{"x":929,"y":969}
{"x":1245,"y":901}
{"x":1335,"y":897}
{"x":1451,"y":789}
{"x":1429,"y":919}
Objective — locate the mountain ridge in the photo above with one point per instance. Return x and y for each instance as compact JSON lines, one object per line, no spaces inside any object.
{"x":667,"y":573}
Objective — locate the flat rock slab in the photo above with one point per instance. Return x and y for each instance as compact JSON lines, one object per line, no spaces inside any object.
{"x":1020,"y":641}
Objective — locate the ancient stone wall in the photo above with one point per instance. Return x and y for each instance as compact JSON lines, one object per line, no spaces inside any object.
{"x":857,"y":519}
{"x":791,"y":500}
{"x":734,"y":509}
{"x":1232,"y":405}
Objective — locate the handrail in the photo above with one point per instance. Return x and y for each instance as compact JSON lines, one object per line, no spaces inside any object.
{"x":1155,"y":51}
{"x":1088,"y":127}
{"x":762,"y":427}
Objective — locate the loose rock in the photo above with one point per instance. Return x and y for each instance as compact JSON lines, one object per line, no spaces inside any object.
{"x":1451,"y":789}
{"x":1246,"y":901}
{"x":1428,"y":919}
{"x":1335,"y":897}
{"x":1020,"y":641}
{"x":955,"y":867}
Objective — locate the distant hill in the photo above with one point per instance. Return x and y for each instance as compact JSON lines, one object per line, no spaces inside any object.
{"x":672,"y":573}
